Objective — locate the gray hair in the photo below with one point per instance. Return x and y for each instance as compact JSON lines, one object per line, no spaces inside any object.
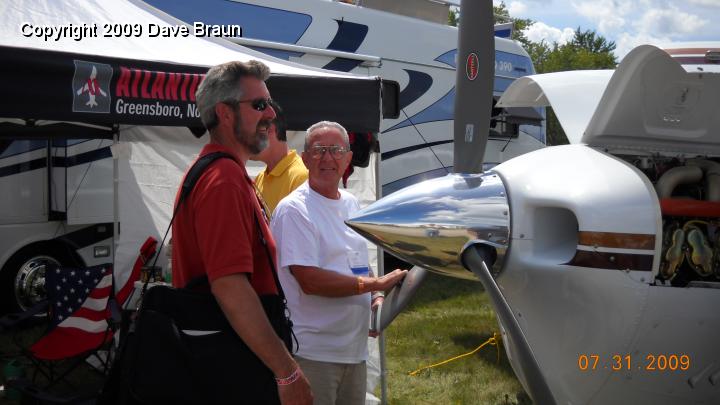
{"x":326,"y":124}
{"x":222,"y":85}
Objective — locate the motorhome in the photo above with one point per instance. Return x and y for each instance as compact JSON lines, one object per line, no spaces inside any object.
{"x":64,"y":213}
{"x":696,"y":56}
{"x":408,"y":41}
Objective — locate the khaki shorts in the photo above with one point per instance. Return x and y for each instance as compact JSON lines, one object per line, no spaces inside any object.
{"x":335,"y":383}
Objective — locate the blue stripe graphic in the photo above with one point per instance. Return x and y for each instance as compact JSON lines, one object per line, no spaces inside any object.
{"x":17,"y":147}
{"x":58,"y":161}
{"x":257,"y":22}
{"x":521,"y":65}
{"x":348,"y":38}
{"x":418,"y":84}
{"x":507,"y":64}
{"x":391,"y":154}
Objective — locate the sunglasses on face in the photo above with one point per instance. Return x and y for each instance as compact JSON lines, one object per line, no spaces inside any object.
{"x":258,"y":104}
{"x":335,"y":151}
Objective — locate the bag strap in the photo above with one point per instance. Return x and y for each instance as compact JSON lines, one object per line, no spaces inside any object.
{"x":281,"y":293}
{"x":191,"y":178}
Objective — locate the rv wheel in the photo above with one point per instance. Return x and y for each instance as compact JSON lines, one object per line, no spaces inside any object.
{"x":22,"y":280}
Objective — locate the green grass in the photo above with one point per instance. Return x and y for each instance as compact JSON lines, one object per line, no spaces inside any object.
{"x":448,"y":317}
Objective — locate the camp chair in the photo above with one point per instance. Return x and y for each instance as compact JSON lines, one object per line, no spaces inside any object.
{"x":84,"y":314}
{"x":81,"y":320}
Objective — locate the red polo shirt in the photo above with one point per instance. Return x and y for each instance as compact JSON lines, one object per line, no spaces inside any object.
{"x":215,"y":232}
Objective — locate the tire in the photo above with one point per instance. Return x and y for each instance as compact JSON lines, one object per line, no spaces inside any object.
{"x":22,"y":279}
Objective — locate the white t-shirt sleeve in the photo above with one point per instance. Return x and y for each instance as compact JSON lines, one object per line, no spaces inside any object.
{"x":296,"y":236}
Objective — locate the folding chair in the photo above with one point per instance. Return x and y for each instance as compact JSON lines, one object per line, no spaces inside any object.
{"x":80,"y":320}
{"x":84,"y":313}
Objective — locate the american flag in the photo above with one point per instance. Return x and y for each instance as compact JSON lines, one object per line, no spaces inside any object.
{"x":78,"y":300}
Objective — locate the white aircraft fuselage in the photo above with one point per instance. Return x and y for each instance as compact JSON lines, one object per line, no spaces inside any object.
{"x":606,"y":253}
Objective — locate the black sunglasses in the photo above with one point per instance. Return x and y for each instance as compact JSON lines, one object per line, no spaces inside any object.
{"x":258,"y":104}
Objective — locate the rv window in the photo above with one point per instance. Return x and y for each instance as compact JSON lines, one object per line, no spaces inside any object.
{"x":500,"y":126}
{"x":505,"y":122}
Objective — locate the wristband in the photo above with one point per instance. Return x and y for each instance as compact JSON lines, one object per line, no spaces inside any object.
{"x":289,"y":379}
{"x":360,"y":285}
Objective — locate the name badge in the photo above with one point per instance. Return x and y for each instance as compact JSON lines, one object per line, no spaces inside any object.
{"x":358,"y":266}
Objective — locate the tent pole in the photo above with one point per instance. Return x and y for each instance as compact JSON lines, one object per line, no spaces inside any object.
{"x":116,"y":210}
{"x":381,"y":272}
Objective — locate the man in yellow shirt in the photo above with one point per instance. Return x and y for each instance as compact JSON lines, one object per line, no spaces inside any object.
{"x":285,"y":170}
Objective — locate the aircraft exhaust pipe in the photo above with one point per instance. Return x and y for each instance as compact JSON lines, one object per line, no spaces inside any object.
{"x":474,"y":258}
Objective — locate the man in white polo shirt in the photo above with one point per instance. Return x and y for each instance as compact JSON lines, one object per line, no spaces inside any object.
{"x":325,"y":273}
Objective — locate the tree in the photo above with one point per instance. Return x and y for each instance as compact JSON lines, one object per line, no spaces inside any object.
{"x":587,"y":50}
{"x":500,"y":15}
{"x":592,"y":42}
{"x":453,"y":16}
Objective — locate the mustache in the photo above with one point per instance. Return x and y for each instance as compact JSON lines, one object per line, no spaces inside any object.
{"x":265,"y":122}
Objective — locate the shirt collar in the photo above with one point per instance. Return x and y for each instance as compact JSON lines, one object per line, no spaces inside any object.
{"x":284,"y":163}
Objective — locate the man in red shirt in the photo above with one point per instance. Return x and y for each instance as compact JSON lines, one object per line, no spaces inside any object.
{"x":215,"y":232}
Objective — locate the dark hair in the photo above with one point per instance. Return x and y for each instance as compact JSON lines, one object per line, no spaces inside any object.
{"x":279,"y":121}
{"x":222,"y":85}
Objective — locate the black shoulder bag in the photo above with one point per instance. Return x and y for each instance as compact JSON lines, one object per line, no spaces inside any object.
{"x":183,"y":349}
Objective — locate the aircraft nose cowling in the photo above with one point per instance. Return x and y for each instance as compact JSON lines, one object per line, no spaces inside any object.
{"x":429,"y":224}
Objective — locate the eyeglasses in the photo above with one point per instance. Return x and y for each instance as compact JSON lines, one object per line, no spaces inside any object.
{"x":335,"y":151}
{"x":258,"y":104}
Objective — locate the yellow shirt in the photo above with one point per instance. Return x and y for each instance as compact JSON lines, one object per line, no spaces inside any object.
{"x":289,"y":173}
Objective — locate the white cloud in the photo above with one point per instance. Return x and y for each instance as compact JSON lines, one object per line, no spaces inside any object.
{"x":670,"y":22}
{"x":706,"y":3}
{"x":541,"y":31}
{"x":626,"y":42}
{"x":516,"y":8}
{"x":607,"y":15}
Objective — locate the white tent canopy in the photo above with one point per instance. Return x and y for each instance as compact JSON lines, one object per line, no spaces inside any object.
{"x":55,"y":15}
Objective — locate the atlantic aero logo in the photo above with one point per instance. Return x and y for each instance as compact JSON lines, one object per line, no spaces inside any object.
{"x":91,"y":87}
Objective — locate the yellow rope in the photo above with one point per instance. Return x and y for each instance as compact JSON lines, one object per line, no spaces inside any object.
{"x":493,"y":341}
{"x":695,"y":221}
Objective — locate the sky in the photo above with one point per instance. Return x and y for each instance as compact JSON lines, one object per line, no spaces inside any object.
{"x":627,"y":22}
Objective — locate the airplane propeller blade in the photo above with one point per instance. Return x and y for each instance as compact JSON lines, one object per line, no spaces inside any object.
{"x":474,"y":84}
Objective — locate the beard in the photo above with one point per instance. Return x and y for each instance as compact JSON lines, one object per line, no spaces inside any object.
{"x":255,"y":142}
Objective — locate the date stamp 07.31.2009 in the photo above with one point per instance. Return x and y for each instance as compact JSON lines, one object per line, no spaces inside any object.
{"x":651,"y":362}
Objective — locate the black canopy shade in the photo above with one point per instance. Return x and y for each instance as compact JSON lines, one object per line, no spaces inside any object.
{"x":49,"y":85}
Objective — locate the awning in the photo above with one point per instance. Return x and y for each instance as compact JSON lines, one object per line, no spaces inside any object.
{"x":147,"y":79}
